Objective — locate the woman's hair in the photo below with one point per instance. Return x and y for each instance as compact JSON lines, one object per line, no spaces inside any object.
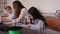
{"x":36,"y":14}
{"x":17,"y":5}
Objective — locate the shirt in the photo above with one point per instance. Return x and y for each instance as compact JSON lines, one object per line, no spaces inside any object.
{"x":10,"y":16}
{"x":22,"y":16}
{"x":36,"y":28}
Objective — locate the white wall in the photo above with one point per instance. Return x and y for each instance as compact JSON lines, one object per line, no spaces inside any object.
{"x":10,"y":3}
{"x":46,"y":6}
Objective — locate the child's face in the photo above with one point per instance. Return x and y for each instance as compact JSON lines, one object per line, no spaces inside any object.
{"x":9,"y":10}
{"x":30,"y":16}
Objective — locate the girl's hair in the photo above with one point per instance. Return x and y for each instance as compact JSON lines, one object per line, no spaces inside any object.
{"x":36,"y":14}
{"x":17,"y":5}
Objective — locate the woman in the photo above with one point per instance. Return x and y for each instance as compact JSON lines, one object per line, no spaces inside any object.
{"x":18,"y":7}
{"x":37,"y":21}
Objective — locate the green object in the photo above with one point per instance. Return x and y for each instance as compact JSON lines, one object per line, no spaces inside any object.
{"x":15,"y":31}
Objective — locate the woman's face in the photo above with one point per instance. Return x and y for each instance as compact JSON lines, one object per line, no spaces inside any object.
{"x":30,"y":16}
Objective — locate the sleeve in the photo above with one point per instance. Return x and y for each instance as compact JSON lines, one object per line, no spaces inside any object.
{"x":11,"y":16}
{"x":37,"y":26}
{"x":22,"y":15}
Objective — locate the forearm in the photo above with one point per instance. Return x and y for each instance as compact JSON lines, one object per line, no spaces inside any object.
{"x":37,"y":26}
{"x":34,"y":27}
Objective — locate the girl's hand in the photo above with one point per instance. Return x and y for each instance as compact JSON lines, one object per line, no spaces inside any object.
{"x":7,"y":21}
{"x":28,"y":25}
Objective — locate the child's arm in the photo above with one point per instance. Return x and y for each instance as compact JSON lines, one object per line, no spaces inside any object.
{"x":36,"y":26}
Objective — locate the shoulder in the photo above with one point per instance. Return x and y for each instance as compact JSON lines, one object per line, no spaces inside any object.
{"x":23,"y":9}
{"x":40,"y":21}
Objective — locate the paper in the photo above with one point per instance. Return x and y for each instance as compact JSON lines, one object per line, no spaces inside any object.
{"x":18,"y":24}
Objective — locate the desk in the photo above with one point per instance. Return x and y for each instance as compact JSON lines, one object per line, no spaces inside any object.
{"x":53,"y":23}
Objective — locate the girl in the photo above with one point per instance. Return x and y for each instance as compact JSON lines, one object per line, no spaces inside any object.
{"x":9,"y":12}
{"x":37,"y":20}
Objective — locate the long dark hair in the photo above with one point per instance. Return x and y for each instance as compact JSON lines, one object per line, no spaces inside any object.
{"x":36,"y":14}
{"x":17,"y":5}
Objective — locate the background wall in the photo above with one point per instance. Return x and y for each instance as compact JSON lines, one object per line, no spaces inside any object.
{"x":45,"y":6}
{"x":10,"y":3}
